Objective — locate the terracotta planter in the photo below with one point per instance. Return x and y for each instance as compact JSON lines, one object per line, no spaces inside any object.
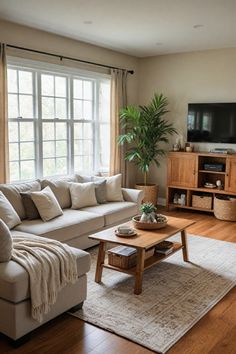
{"x":150,"y":192}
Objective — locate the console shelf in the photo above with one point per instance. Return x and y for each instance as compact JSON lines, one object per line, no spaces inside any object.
{"x":187,"y":177}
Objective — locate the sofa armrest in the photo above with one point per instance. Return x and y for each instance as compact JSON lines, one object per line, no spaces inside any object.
{"x":133,"y":195}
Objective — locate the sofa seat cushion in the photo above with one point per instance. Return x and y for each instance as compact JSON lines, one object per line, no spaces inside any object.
{"x":71,"y":224}
{"x":114,"y":212}
{"x":14,"y":279}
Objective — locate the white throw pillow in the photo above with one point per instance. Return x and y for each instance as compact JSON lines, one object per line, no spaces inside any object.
{"x":113,"y":187}
{"x":82,"y":195}
{"x":5,"y":242}
{"x":47,"y":204}
{"x":8,"y":213}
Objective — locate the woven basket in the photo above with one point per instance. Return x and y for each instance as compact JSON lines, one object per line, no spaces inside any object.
{"x":150,"y":192}
{"x":225,"y":209}
{"x":148,"y":225}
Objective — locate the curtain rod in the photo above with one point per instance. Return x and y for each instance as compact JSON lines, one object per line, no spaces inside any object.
{"x":61,"y":57}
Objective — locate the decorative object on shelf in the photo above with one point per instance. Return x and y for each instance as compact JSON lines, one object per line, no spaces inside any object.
{"x":177,"y":145}
{"x":176,"y":198}
{"x":145,"y":128}
{"x":209,"y":185}
{"x":183,"y":199}
{"x":164,"y":247}
{"x":188,"y":147}
{"x":219,"y":184}
{"x":161,"y":221}
{"x":148,"y":212}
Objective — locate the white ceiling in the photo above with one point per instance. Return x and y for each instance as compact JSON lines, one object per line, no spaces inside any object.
{"x":137,"y":27}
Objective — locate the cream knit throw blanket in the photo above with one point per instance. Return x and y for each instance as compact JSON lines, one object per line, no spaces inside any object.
{"x":50,"y":264}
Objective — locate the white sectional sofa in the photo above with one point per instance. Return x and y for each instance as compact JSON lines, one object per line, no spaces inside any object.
{"x":72,"y":227}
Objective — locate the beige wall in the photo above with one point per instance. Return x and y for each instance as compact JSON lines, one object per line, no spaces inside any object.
{"x":207,"y":76}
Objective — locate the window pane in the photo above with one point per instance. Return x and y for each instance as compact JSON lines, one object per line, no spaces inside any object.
{"x":104,"y":147}
{"x":49,"y":167}
{"x":26,"y":106}
{"x":14,"y":171}
{"x":87,"y":163}
{"x":47,"y":82}
{"x":61,"y":166}
{"x":87,"y":131}
{"x":48,"y":149}
{"x":27,"y":169}
{"x":88,"y":147}
{"x":87,"y":90}
{"x":26,"y":131}
{"x":12,"y":106}
{"x":78,"y":147}
{"x":61,"y":111}
{"x":60,"y":85}
{"x":87,"y":114}
{"x":104,"y":102}
{"x":78,"y":109}
{"x":12,"y":80}
{"x":48,"y":108}
{"x":13,"y":131}
{"x":26,"y":151}
{"x":48,"y":131}
{"x":61,"y":131}
{"x":13,"y":152}
{"x":78,"y":91}
{"x":78,"y":163}
{"x":61,"y":148}
{"x":25,"y":82}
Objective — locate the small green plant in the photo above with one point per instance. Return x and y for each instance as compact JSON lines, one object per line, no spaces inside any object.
{"x":147,"y":208}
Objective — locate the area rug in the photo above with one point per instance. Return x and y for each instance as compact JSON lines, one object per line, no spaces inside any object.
{"x":175,"y":294}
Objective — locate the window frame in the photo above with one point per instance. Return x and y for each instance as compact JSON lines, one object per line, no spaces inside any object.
{"x":40,"y":68}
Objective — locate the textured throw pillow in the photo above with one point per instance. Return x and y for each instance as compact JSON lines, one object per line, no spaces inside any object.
{"x":47,"y":204}
{"x":5,"y":242}
{"x":8,"y":213}
{"x":31,"y":211}
{"x":101,"y":191}
{"x":82,"y":195}
{"x":113,"y":188}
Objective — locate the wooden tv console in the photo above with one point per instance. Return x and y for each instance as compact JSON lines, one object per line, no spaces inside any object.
{"x":187,"y":176}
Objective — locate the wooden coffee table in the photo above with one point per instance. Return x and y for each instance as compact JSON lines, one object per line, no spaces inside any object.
{"x":144,"y":240}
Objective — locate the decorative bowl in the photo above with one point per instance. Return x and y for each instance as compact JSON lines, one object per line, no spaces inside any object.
{"x":149,"y":225}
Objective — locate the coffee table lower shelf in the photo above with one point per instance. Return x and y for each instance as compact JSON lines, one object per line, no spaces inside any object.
{"x":155,"y":259}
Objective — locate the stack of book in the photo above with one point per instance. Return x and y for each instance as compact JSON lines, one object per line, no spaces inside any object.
{"x":164,"y":248}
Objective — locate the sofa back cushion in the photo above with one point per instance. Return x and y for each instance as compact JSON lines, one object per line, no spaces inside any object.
{"x":8,"y":213}
{"x":60,"y":188}
{"x":12,"y":193}
{"x":113,"y":188}
{"x":31,"y":211}
{"x":100,"y":186}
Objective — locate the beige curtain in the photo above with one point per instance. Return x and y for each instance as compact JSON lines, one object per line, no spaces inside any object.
{"x":4,"y":166}
{"x":118,"y":101}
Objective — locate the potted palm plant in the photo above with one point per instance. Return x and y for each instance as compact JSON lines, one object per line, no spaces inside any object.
{"x":145,"y":129}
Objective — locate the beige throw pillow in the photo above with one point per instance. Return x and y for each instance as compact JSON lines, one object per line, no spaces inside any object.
{"x":113,"y":188}
{"x":82,"y":195}
{"x":5,"y":242}
{"x":47,"y":204}
{"x":8,"y":213}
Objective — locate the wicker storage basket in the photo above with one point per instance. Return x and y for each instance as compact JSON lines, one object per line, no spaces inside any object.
{"x":225,"y":208}
{"x":126,"y":262}
{"x":202,"y":201}
{"x":150,"y":192}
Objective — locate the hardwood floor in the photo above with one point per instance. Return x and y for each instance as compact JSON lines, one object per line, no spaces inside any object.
{"x":215,"y":333}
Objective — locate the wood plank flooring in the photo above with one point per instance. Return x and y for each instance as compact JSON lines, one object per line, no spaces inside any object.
{"x":215,"y":333}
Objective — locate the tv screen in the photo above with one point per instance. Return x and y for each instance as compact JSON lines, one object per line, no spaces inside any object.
{"x":212,"y":122}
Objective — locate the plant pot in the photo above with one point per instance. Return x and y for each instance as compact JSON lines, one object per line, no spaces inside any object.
{"x":150,"y":192}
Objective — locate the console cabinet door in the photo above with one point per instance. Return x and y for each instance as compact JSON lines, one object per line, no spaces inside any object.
{"x":182,"y":169}
{"x":230,"y":180}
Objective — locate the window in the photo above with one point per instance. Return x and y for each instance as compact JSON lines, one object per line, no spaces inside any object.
{"x":59,"y":121}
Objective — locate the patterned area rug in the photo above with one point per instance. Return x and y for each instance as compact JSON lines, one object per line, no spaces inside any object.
{"x":175,"y":294}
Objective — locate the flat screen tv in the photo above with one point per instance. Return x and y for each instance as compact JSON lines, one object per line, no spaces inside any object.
{"x":212,"y":122}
